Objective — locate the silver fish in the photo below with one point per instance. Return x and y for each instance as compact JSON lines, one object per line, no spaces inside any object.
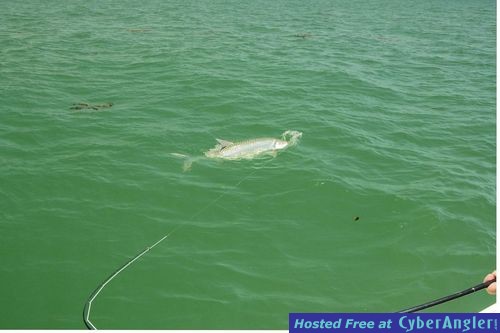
{"x":246,"y":149}
{"x":252,"y":148}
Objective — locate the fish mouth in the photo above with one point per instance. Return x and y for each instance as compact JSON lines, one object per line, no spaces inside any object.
{"x":291,"y":136}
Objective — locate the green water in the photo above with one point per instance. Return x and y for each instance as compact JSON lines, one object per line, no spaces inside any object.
{"x":396,"y":102}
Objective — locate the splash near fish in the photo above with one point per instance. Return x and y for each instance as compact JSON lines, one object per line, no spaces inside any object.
{"x":247,"y":149}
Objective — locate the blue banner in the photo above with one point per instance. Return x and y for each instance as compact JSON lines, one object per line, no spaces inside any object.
{"x":393,"y":322}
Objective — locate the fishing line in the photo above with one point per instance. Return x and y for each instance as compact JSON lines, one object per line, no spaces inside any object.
{"x":88,"y":305}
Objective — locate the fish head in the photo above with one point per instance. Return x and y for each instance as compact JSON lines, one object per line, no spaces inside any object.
{"x":280,"y":144}
{"x":292,"y":137}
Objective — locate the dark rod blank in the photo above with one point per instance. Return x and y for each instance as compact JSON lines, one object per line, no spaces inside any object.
{"x":449,"y":297}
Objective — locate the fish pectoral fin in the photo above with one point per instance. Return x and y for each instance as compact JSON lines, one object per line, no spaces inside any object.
{"x":224,"y":143}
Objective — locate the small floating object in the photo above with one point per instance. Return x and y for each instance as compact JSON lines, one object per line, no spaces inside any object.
{"x":356,"y":218}
{"x":87,"y":106}
{"x":303,"y":35}
{"x":138,"y":30}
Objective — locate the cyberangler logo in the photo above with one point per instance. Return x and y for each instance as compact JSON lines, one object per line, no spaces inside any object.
{"x":446,"y":323}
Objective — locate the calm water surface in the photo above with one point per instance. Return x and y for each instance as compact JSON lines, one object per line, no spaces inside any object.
{"x":396,"y":100}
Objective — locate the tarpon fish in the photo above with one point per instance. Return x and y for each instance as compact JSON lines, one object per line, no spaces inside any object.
{"x":248,"y":149}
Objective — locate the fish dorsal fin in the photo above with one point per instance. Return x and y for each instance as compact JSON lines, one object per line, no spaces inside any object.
{"x":224,"y":143}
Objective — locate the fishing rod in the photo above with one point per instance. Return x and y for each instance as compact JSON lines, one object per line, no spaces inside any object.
{"x":449,"y":297}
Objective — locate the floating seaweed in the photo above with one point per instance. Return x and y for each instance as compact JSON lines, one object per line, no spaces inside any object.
{"x":138,"y":30}
{"x":303,"y":35}
{"x":87,"y":106}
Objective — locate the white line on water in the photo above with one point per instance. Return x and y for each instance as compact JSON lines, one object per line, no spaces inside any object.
{"x":109,"y":279}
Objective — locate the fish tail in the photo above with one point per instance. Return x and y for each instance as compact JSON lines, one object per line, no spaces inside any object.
{"x":187,"y":165}
{"x":188,"y":161}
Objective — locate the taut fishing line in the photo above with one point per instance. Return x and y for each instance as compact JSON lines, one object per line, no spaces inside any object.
{"x":88,"y":305}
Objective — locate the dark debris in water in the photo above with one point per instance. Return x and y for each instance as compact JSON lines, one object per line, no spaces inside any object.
{"x":138,"y":30}
{"x":87,"y":106}
{"x":303,"y":35}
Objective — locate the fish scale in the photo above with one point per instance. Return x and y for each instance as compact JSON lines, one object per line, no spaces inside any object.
{"x":248,"y":149}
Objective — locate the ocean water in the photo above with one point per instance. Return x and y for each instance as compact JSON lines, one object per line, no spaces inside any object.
{"x":388,"y":200}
